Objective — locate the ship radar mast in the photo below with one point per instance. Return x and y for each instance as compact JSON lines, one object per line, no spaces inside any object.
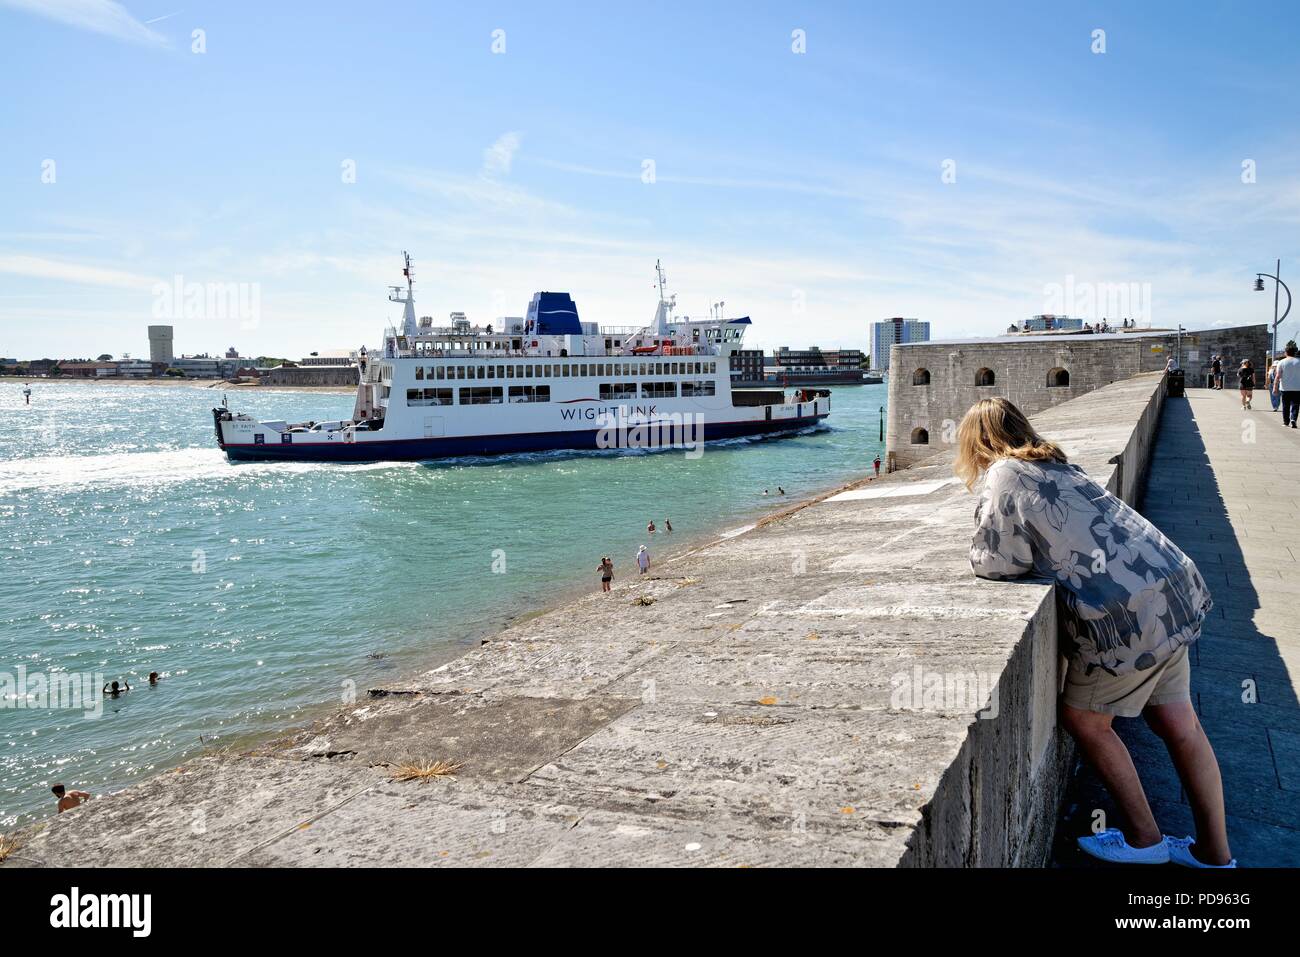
{"x":666,"y":305}
{"x":407,"y":297}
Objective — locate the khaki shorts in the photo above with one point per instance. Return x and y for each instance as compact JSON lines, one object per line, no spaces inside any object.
{"x":1126,"y":695}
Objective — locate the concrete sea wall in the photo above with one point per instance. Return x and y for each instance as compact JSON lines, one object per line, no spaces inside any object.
{"x":805,"y":692}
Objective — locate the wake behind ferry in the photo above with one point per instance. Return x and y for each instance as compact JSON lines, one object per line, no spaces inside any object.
{"x":536,"y":383}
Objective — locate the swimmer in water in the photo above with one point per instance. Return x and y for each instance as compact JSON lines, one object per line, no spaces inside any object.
{"x":113,"y":689}
{"x":153,"y":678}
{"x":69,"y":799}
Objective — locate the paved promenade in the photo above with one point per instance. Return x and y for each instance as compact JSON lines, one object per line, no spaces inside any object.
{"x":1225,"y":486}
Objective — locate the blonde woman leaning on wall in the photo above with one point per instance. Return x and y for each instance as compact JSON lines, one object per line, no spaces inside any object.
{"x":1132,"y":602}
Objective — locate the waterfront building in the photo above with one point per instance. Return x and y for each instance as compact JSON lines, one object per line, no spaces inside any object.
{"x":1051,"y":323}
{"x":893,"y":332}
{"x":815,"y":366}
{"x":746,"y":366}
{"x":161,"y":347}
{"x":936,"y":382}
{"x":135,"y":368}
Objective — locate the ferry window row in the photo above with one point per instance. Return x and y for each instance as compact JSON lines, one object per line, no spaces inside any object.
{"x":564,"y":370}
{"x":609,"y":392}
{"x":491,"y":395}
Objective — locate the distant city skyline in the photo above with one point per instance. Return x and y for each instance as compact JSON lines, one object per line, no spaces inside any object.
{"x":978,"y":167}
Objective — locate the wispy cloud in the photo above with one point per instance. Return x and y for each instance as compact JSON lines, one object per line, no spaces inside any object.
{"x":98,"y":16}
{"x":498,"y":157}
{"x":37,"y":267}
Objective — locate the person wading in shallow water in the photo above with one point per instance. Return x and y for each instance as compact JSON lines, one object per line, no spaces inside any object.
{"x":1130,"y":603}
{"x":606,"y":569}
{"x":69,"y":799}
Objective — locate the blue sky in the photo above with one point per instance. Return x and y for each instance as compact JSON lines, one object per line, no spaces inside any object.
{"x":804,"y":189}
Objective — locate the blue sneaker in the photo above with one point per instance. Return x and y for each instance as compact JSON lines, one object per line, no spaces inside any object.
{"x":1110,"y":846}
{"x":1180,"y":852}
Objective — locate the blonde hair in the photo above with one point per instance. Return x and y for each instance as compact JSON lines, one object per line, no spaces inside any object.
{"x":995,"y":429}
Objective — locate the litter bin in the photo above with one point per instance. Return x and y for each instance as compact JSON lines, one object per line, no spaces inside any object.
{"x":1176,"y":383}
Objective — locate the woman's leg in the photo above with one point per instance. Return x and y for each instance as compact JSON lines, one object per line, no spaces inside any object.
{"x":1106,"y":752}
{"x":1177,"y":725}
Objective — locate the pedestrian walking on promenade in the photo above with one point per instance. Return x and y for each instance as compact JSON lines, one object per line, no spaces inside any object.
{"x":1286,"y":383}
{"x":1216,"y":373}
{"x":1246,"y":379}
{"x":1270,"y":377}
{"x":1127,"y":625}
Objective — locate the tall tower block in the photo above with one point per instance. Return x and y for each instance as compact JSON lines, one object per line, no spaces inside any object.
{"x":160,"y":344}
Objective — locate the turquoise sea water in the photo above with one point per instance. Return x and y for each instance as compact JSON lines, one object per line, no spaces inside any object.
{"x":128,"y":544}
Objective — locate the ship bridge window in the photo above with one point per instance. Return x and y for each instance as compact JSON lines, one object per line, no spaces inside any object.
{"x":610,"y":391}
{"x":530,"y":393}
{"x":704,"y":387}
{"x":984,"y":377}
{"x":483,"y":395}
{"x":921,"y":377}
{"x":920,"y":437}
{"x":1058,"y":378}
{"x":658,"y":390}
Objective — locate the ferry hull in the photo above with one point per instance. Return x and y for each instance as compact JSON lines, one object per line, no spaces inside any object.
{"x":425,"y":449}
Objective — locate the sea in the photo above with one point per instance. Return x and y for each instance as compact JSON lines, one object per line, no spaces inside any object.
{"x":263,"y":594}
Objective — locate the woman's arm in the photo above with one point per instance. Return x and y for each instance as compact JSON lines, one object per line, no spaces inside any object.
{"x":1000,"y":548}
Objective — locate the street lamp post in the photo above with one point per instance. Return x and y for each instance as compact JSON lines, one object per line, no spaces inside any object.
{"x":1278,"y":285}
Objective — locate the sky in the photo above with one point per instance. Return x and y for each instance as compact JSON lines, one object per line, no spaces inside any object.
{"x":816,"y":166}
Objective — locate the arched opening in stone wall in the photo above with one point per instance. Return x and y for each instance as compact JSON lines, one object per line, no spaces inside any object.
{"x":921,"y":377}
{"x":984,"y":377}
{"x":920,"y":437}
{"x":1058,"y":378}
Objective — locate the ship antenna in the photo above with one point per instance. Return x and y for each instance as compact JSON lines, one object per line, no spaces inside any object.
{"x":408,"y":272}
{"x":660,"y":270}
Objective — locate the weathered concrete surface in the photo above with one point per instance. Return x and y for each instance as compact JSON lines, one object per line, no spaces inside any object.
{"x":1224,"y":486}
{"x":748,"y":704}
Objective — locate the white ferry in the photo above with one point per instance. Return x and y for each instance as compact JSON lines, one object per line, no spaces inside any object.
{"x":541,"y":382}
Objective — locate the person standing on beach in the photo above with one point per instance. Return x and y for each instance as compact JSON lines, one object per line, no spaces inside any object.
{"x":1129,"y":610}
{"x":643,"y":560}
{"x":1286,"y":383}
{"x":606,"y":569}
{"x":876,"y":463}
{"x":69,"y":799}
{"x":1246,"y":377}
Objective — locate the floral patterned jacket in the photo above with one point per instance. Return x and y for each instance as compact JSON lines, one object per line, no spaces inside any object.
{"x":1130,"y":597}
